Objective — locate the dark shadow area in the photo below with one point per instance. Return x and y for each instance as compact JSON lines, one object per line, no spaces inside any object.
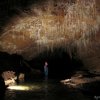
{"x":91,"y":89}
{"x":2,"y":88}
{"x":11,"y":62}
{"x":60,"y":64}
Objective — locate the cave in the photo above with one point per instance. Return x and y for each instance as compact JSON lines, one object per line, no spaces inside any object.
{"x":60,"y":65}
{"x":55,"y":31}
{"x":64,"y":33}
{"x":67,"y":31}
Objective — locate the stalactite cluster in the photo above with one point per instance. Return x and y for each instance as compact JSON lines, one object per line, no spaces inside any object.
{"x":53,"y":24}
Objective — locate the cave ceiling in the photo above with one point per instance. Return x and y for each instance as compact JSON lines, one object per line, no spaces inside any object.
{"x":49,"y":24}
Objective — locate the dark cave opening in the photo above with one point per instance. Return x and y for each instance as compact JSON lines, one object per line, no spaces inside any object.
{"x":11,"y":62}
{"x":60,"y":64}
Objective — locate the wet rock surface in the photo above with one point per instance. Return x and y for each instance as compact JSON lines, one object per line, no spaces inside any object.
{"x":87,"y":82}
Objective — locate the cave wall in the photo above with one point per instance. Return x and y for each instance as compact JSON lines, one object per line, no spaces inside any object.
{"x":30,"y":29}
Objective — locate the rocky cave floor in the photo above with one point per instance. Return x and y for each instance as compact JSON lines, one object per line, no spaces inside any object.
{"x":86,"y":81}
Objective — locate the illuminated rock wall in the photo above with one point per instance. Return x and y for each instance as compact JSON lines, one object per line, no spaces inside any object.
{"x":54,"y":24}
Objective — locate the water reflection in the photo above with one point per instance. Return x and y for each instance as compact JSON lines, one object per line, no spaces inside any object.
{"x":45,"y":90}
{"x":10,"y":95}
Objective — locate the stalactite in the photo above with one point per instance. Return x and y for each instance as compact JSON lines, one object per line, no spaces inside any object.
{"x":55,"y":26}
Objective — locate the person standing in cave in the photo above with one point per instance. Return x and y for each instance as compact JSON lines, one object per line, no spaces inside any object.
{"x":46,"y":70}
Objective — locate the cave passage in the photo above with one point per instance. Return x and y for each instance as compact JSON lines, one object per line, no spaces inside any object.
{"x":60,"y":64}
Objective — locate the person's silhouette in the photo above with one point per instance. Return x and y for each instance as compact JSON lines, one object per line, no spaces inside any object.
{"x":46,"y":70}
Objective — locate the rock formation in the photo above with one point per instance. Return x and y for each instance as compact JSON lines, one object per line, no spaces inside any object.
{"x":73,"y":25}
